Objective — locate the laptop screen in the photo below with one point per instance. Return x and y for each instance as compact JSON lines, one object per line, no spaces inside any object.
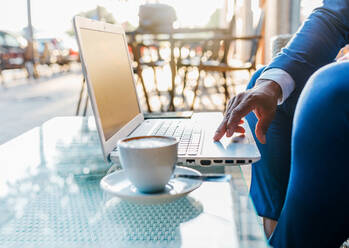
{"x":108,"y":68}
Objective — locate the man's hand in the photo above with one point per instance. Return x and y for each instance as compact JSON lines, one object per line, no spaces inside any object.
{"x":261,"y":99}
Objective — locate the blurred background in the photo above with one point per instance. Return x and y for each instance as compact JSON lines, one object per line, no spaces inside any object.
{"x":187,"y":54}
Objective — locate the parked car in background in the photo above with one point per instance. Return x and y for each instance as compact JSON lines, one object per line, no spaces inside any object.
{"x":73,"y":50}
{"x":55,"y":51}
{"x":11,"y":51}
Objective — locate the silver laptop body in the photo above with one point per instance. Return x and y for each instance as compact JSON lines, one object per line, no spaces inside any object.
{"x":106,"y":65}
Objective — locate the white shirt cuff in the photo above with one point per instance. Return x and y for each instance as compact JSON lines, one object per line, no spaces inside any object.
{"x":283,"y":79}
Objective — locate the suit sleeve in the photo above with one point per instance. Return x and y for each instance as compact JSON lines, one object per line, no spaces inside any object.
{"x":316,"y":43}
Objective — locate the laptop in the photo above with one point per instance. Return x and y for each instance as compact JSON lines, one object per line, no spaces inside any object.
{"x":112,"y":89}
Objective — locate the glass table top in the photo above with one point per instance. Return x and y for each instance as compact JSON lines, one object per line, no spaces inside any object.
{"x":50,"y":197}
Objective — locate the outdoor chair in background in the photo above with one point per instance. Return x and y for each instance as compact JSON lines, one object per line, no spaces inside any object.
{"x":137,"y":67}
{"x":222,"y":63}
{"x":148,"y":55}
{"x":192,"y":52}
{"x":154,"y":19}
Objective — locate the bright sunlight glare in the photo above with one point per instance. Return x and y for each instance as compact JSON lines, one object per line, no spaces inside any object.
{"x":54,"y":17}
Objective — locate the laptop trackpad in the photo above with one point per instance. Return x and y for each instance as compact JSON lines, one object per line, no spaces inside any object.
{"x":237,"y":146}
{"x":239,"y":138}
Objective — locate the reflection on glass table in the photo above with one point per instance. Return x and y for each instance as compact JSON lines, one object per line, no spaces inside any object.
{"x":50,"y":197}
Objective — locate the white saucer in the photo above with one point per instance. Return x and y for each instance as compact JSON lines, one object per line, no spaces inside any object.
{"x":118,"y":184}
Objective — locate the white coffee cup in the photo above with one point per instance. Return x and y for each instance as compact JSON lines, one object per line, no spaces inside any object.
{"x":149,"y":161}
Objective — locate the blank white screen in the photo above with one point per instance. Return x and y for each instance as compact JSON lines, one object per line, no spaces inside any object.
{"x":110,"y":75}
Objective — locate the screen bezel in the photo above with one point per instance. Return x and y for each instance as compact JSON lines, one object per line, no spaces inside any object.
{"x":107,"y":145}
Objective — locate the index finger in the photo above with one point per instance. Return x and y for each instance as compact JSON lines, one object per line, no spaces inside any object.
{"x":220,"y":130}
{"x":236,"y":115}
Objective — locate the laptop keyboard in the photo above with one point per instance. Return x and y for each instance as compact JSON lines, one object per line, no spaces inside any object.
{"x":188,"y":134}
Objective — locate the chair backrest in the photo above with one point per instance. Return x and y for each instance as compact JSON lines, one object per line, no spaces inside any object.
{"x":217,"y":50}
{"x":279,"y":42}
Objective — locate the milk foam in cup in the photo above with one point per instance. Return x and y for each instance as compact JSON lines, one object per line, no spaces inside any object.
{"x":148,"y":161}
{"x":150,"y":142}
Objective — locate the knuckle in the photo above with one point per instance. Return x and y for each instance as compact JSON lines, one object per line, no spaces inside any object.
{"x":240,"y":95}
{"x":233,"y":120}
{"x":229,"y":105}
{"x":226,"y":116}
{"x":250,"y":97}
{"x":236,"y":111}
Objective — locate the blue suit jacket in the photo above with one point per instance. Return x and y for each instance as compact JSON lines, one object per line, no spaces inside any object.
{"x":316,"y":44}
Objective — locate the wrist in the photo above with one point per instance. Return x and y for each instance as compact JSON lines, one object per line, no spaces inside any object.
{"x":271,"y":87}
